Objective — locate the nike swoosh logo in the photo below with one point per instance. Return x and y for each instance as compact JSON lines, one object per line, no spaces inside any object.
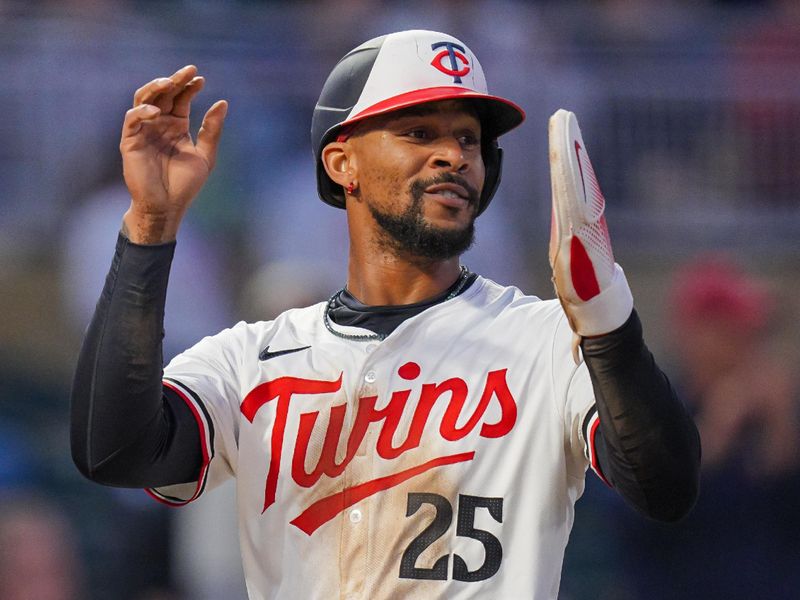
{"x":266,"y":354}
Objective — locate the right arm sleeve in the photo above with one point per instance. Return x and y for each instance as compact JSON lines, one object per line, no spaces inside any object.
{"x":127,"y":428}
{"x":647,"y":446}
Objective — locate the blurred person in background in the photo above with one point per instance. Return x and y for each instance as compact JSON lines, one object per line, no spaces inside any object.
{"x":38,"y":551}
{"x":743,"y":538}
{"x":743,"y":391}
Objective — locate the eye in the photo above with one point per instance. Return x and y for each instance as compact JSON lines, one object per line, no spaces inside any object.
{"x":469,"y":141}
{"x":418,"y":134}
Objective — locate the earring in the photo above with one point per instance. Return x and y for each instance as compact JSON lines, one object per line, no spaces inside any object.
{"x":351,"y":187}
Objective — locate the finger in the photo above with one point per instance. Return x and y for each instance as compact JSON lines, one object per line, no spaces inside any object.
{"x":180,"y":80}
{"x":152,"y":90}
{"x":181,"y":105}
{"x":210,"y":132}
{"x":136,"y":117}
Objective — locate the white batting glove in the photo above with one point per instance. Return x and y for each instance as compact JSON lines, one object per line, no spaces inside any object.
{"x":591,"y":287}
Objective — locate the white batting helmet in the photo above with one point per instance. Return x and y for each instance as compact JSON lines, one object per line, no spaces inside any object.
{"x":404,"y":69}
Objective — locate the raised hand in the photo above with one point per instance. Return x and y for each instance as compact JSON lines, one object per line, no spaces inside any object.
{"x":164,"y":168}
{"x":591,"y":287}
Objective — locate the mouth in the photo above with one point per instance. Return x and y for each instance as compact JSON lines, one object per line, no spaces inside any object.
{"x":449,"y":194}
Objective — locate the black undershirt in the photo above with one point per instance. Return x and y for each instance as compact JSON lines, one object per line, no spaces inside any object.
{"x":128,"y":430}
{"x":346,"y":310}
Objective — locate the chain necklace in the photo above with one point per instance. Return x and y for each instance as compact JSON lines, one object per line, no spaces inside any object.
{"x":462,"y":280}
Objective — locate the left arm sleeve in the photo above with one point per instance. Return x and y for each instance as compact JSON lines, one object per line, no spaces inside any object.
{"x":645,"y":445}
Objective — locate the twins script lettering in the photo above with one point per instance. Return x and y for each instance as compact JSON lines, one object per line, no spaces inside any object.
{"x":285,"y":391}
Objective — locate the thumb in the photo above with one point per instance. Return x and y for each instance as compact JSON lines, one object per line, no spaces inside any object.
{"x":210,"y":132}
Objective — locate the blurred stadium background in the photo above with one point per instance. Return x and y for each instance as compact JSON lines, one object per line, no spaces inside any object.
{"x":691,"y":111}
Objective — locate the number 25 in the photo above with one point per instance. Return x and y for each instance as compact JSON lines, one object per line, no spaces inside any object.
{"x":464,"y":528}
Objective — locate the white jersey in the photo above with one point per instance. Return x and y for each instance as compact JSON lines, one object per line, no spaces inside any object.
{"x":441,"y":462}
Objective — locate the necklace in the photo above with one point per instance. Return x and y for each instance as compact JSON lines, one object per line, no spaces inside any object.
{"x":459,"y":285}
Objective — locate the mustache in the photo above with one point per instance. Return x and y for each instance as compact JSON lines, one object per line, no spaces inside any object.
{"x":418,"y":187}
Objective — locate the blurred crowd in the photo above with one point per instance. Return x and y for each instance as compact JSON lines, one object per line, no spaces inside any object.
{"x":727,"y":337}
{"x":692,"y":114}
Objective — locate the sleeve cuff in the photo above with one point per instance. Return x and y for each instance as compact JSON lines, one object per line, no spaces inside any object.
{"x":184,"y":493}
{"x":605,"y":312}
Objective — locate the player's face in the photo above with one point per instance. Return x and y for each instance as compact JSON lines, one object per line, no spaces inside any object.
{"x":420,"y":173}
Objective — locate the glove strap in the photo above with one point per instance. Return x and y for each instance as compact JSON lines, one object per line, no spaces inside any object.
{"x":605,"y":312}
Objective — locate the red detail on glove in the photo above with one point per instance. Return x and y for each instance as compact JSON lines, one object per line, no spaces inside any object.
{"x":580,"y":265}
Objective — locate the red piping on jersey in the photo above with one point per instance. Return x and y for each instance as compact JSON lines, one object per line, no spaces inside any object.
{"x":203,"y":444}
{"x":326,"y":509}
{"x":596,"y":465}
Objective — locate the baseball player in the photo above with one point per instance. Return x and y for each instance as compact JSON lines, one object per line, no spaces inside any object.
{"x":423,"y":433}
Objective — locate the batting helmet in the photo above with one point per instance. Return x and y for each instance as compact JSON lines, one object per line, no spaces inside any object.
{"x":404,"y":69}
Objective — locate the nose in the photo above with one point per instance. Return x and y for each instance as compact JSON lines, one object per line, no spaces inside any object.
{"x":448,"y":154}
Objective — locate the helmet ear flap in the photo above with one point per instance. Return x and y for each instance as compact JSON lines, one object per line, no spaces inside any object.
{"x":493,"y":164}
{"x":328,"y":191}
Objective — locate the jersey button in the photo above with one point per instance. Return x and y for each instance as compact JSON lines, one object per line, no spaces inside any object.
{"x":370,"y":377}
{"x":355,"y":516}
{"x":371,"y":348}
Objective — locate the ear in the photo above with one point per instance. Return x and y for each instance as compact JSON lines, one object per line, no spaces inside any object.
{"x":338,"y":159}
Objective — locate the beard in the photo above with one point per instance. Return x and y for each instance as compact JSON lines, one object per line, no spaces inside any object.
{"x":408,"y":233}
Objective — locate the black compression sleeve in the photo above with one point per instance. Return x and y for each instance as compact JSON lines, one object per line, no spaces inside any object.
{"x":648,"y":447}
{"x":126,"y":429}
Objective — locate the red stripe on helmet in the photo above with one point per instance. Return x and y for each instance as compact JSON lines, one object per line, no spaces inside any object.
{"x":429,"y":95}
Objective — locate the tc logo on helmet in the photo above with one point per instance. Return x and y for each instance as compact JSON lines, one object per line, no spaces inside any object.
{"x":456,"y":54}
